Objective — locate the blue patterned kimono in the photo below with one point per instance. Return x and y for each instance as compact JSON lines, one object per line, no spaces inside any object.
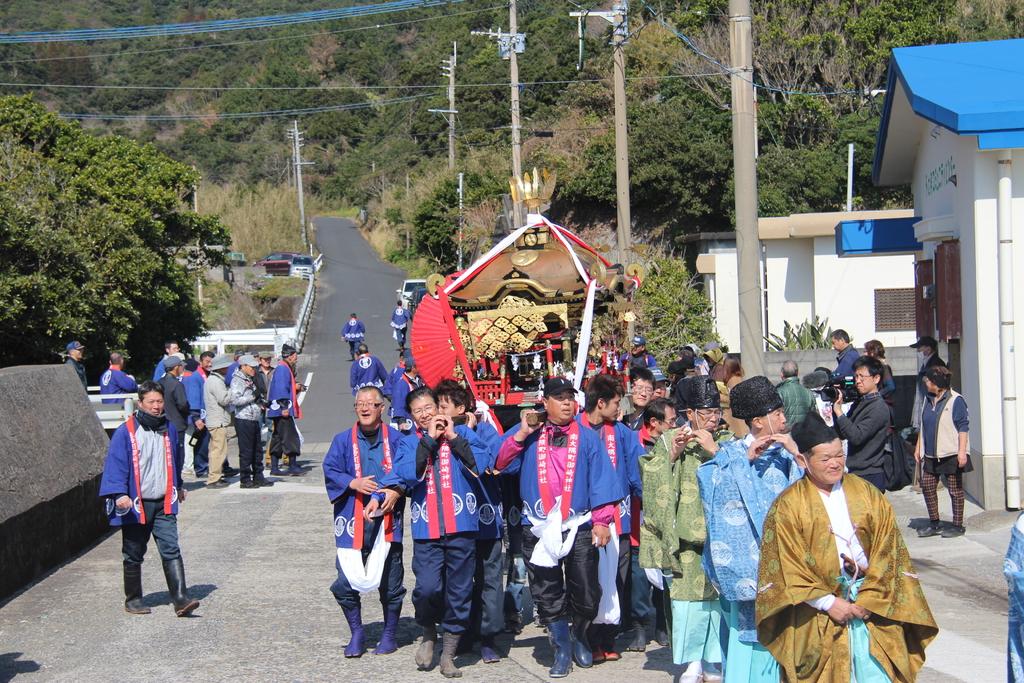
{"x":339,"y":471}
{"x":489,"y":497}
{"x":627,"y":466}
{"x":464,"y":486}
{"x":736,"y":495}
{"x":1013,"y":569}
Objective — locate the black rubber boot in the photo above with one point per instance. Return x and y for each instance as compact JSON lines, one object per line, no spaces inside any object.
{"x":275,"y":465}
{"x":639,"y":640}
{"x":133,"y":590}
{"x":449,"y":644}
{"x":174,"y":570}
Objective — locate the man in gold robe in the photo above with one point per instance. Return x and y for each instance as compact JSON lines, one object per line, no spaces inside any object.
{"x":838,"y":598}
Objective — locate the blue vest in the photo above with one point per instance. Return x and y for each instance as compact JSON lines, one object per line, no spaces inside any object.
{"x":339,"y":471}
{"x":119,"y":475}
{"x":282,"y":384}
{"x":489,"y":496}
{"x":367,"y":371}
{"x":595,"y":482}
{"x":464,"y":493}
{"x":628,"y":451}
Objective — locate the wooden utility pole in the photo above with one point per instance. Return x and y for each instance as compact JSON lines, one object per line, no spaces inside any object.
{"x":510,"y":45}
{"x":451,"y":109}
{"x":298,"y":163}
{"x":618,"y":17}
{"x":744,"y":148}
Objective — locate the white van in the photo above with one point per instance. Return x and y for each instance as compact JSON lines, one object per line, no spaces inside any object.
{"x":408,"y":287}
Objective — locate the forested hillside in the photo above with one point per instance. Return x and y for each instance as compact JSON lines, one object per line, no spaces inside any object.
{"x":818,"y":65}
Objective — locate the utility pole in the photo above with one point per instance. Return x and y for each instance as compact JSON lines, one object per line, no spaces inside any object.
{"x":744,"y":140}
{"x":296,"y":137}
{"x":448,"y":69}
{"x":510,"y":45}
{"x":619,"y":19}
{"x":461,"y":222}
{"x":199,"y":275}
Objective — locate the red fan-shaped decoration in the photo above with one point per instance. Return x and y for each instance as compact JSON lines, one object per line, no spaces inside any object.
{"x":430,"y":342}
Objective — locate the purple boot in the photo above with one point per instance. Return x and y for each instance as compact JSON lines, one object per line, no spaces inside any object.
{"x":355,"y":647}
{"x":388,"y":643}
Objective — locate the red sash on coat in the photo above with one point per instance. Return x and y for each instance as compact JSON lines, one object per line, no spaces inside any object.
{"x":389,"y":522}
{"x":571,"y":459}
{"x":168,"y":456}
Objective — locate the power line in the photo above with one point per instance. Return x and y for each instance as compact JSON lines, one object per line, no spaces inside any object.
{"x":248,"y":41}
{"x":216,"y":25}
{"x":227,"y":88}
{"x":238,"y":115}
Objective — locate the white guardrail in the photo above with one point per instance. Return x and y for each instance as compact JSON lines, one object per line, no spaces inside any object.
{"x":112,"y":415}
{"x":274,"y":337}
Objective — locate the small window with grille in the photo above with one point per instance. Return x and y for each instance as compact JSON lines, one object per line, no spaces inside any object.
{"x":894,"y":309}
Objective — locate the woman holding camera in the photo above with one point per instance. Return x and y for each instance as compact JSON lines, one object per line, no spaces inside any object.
{"x":436,"y":465}
{"x":943,"y":448}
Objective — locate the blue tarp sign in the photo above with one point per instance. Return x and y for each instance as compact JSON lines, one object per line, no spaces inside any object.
{"x":877,"y":236}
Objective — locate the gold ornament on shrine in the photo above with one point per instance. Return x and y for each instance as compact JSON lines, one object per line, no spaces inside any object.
{"x":533,"y":190}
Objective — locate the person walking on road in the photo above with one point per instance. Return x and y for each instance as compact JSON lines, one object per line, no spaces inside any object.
{"x":354,"y":332}
{"x":400,"y":319}
{"x":75,"y":351}
{"x":943,"y":447}
{"x":367,"y":371}
{"x":116,"y":381}
{"x":401,"y":387}
{"x":218,"y":419}
{"x":284,"y":410}
{"x":438,"y":465}
{"x":245,"y":400}
{"x":369,"y":551}
{"x":142,"y":486}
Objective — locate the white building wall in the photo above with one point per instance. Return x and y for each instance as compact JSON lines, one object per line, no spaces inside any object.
{"x":724,"y":289}
{"x":789,"y":276}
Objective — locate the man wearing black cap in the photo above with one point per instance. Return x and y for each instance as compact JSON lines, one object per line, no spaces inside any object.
{"x":176,"y":404}
{"x":673,"y":532}
{"x":835,"y":576}
{"x":569,"y":492}
{"x":736,"y":488}
{"x":637,"y":357}
{"x":75,"y":351}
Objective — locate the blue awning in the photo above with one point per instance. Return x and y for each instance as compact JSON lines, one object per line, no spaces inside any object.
{"x":877,"y":236}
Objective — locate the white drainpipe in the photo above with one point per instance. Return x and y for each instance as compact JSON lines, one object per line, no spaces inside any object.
{"x":1007,"y":366}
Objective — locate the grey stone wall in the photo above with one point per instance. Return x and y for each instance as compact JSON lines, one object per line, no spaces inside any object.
{"x":52,"y":448}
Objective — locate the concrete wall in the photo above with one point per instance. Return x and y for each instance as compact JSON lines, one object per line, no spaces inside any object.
{"x":51,"y":456}
{"x":723,"y":290}
{"x":966,"y":210}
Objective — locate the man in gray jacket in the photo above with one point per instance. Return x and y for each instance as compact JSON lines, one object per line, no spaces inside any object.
{"x":866,"y":427}
{"x":245,"y":399}
{"x":218,"y":419}
{"x":176,"y":405}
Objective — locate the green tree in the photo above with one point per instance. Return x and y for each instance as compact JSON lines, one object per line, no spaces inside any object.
{"x":671,"y":309}
{"x":97,"y":241}
{"x":435,"y":221}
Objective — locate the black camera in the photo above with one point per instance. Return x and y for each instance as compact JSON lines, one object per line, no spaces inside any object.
{"x":842,"y":386}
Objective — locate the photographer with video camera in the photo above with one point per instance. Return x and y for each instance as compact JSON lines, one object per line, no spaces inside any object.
{"x":866,"y":426}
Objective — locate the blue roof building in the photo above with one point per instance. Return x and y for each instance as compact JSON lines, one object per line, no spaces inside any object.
{"x":953,"y":128}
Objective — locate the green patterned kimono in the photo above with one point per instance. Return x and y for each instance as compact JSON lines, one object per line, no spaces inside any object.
{"x":673,"y":531}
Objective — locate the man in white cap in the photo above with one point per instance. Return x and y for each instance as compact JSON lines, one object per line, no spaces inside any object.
{"x":218,"y":419}
{"x":245,"y":398}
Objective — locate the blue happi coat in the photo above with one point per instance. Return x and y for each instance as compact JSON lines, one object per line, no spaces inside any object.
{"x":119,"y":475}
{"x":464,"y":487}
{"x":736,"y":495}
{"x":628,"y":451}
{"x":400,"y":388}
{"x":194,"y":384}
{"x":595,"y":483}
{"x":367,"y":371}
{"x":281,"y":390}
{"x":1013,"y":570}
{"x":399,"y":318}
{"x":489,"y":496}
{"x":339,"y":471}
{"x":354,"y":330}
{"x":113,"y":381}
{"x":392,"y":378}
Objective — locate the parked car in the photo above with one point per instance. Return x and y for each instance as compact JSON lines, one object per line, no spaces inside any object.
{"x":278,"y":263}
{"x":414,"y":300}
{"x":302,"y":266}
{"x":407,"y":289}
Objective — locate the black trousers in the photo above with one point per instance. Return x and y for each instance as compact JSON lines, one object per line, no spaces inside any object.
{"x":487,"y":615}
{"x":285,"y":440}
{"x":250,"y":454}
{"x":569,"y":590}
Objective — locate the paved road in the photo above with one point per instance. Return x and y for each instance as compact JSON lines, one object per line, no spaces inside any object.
{"x":262,"y":561}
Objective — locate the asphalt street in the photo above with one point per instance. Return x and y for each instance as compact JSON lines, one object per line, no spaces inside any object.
{"x":262,"y":561}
